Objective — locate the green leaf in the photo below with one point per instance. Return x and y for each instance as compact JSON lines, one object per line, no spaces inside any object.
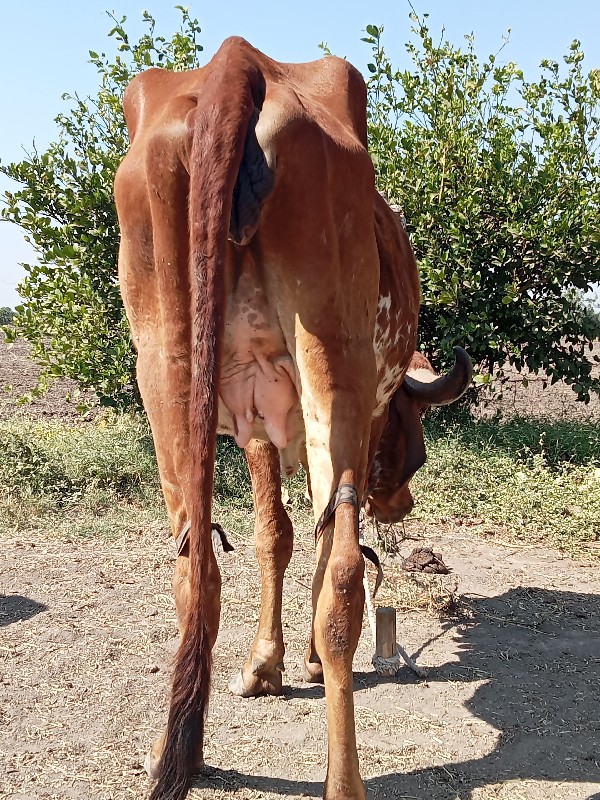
{"x":499,"y":182}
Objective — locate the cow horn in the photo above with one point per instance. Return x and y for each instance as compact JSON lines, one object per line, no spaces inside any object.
{"x":445,"y":389}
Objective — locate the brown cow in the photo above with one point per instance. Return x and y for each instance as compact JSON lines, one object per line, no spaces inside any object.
{"x":401,"y":449}
{"x":400,"y":453}
{"x":272,"y":294}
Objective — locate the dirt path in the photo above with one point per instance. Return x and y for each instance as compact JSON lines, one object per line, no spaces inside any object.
{"x":510,"y":709}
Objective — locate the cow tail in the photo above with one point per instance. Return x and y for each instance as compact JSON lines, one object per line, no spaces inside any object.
{"x":218,"y":128}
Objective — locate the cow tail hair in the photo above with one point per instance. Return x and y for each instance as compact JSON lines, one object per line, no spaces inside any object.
{"x":218,"y":128}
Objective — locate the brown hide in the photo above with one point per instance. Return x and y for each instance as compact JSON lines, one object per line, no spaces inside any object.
{"x":401,"y":449}
{"x":273,"y":295}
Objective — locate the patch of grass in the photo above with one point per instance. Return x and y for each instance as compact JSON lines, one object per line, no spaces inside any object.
{"x":559,"y":442}
{"x":540,"y":481}
{"x":65,"y":461}
{"x":232,"y":480}
{"x":77,"y":478}
{"x":102,"y":478}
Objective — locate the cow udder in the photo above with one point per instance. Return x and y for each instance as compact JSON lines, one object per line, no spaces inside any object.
{"x":261,"y":397}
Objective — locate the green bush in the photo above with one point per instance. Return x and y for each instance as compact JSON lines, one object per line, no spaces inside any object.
{"x":72,"y":314}
{"x":499,"y":182}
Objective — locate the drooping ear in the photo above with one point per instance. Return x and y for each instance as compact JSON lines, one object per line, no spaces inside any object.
{"x":409,"y":412}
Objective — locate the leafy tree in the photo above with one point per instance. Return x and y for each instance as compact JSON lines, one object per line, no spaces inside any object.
{"x":6,"y":315}
{"x":498,"y":179}
{"x":499,"y":183}
{"x":72,"y":313}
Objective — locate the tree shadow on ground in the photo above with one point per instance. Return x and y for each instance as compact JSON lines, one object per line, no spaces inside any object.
{"x":538,"y":653}
{"x":15,"y":608}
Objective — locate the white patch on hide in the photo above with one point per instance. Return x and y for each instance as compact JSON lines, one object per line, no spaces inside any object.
{"x":422,"y":375}
{"x":388,"y":335}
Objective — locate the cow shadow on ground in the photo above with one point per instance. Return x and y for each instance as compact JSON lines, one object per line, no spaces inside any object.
{"x":535,"y":655}
{"x":15,"y":608}
{"x":309,"y":692}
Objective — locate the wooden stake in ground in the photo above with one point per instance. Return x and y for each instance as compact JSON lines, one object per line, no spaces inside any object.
{"x":383,"y":632}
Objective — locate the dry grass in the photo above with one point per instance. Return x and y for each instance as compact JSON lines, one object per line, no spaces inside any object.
{"x":415,"y":592}
{"x":85,"y":656}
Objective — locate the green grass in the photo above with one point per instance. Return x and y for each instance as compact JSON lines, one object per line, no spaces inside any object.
{"x":539,"y":481}
{"x":101,"y":478}
{"x":78,"y":479}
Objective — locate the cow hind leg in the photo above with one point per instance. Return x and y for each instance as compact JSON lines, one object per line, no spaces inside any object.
{"x":337,"y":415}
{"x":273,"y":536}
{"x":170,"y":430}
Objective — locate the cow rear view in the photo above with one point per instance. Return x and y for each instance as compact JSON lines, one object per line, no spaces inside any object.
{"x":250,"y":273}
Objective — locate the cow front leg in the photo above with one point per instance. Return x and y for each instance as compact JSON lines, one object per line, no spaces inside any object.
{"x":273,"y":538}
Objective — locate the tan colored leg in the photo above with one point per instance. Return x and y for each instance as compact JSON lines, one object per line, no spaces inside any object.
{"x":313,"y":668}
{"x":337,"y":416}
{"x":163,"y":374}
{"x":273,"y":537}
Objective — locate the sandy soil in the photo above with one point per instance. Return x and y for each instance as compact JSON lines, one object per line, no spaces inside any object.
{"x":19,"y":375}
{"x":510,"y":708}
{"x":538,"y":399}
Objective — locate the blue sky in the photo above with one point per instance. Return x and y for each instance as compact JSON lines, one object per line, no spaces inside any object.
{"x":45,"y":46}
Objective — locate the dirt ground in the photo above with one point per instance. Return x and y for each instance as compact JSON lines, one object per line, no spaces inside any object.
{"x":18,"y":376}
{"x":535,"y":399}
{"x":510,"y":709}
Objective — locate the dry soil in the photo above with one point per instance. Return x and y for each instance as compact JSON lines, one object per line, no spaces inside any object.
{"x":510,"y":709}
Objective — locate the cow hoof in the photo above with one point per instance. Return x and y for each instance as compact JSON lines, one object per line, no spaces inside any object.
{"x":152,"y":760}
{"x":151,"y":764}
{"x":313,"y":672}
{"x":236,"y":685}
{"x":256,"y":685}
